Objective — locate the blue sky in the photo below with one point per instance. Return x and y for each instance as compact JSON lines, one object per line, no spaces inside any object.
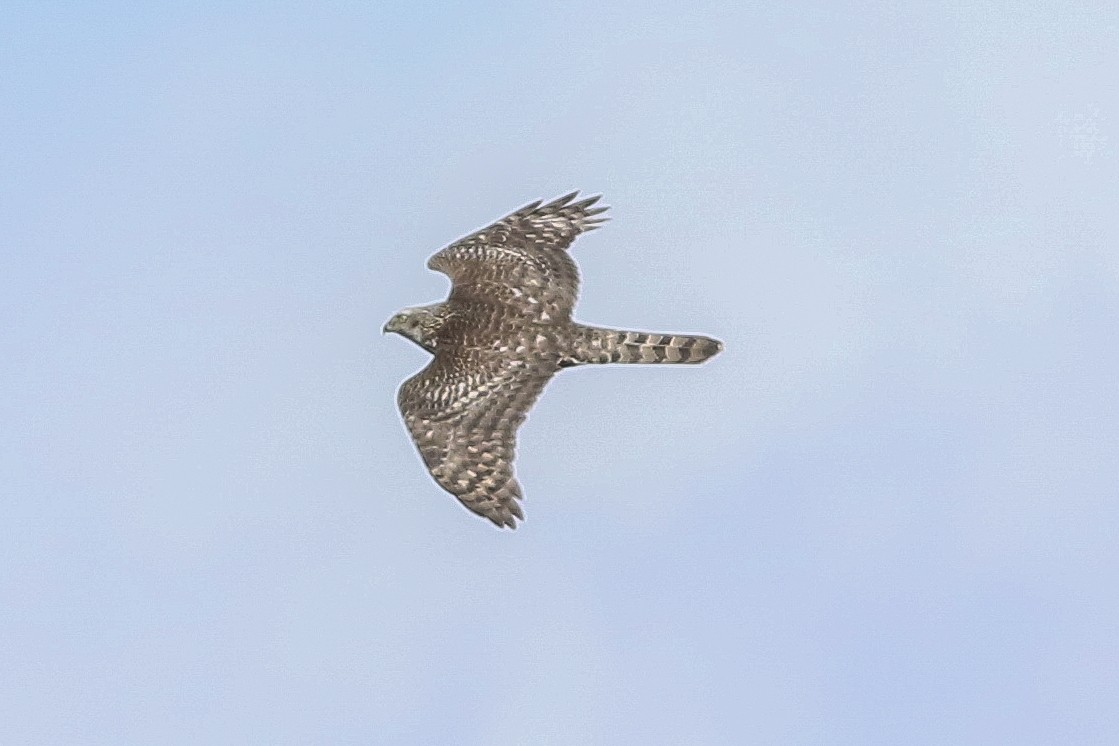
{"x":887,"y":513}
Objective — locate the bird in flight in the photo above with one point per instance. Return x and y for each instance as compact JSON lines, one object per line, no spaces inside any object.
{"x":500,"y":336}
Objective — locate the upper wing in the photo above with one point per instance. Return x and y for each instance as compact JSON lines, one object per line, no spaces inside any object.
{"x":521,"y":261}
{"x":463,"y":412}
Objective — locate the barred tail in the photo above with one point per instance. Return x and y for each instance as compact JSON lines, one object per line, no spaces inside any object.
{"x":594,"y":345}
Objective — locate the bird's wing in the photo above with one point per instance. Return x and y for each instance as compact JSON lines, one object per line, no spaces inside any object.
{"x":463,"y":411}
{"x":521,"y":261}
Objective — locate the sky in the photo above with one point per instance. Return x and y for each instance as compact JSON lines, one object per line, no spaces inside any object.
{"x":886,"y":513}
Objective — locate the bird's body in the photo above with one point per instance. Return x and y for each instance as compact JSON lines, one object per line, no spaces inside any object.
{"x":505,"y":330}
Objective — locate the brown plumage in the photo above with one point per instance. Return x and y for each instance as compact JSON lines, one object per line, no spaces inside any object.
{"x":505,"y":330}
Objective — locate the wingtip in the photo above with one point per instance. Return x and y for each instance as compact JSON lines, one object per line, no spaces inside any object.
{"x":504,"y":521}
{"x":566,"y":202}
{"x":506,"y":515}
{"x":565,"y":198}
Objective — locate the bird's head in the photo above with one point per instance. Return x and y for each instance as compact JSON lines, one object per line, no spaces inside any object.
{"x":420,"y":324}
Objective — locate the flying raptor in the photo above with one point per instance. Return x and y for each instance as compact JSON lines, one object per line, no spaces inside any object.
{"x":505,"y":330}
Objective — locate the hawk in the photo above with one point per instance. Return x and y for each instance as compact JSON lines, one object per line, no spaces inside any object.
{"x":503,"y":332}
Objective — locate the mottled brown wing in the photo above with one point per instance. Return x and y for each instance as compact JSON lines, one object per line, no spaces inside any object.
{"x":521,"y":261}
{"x":463,"y":411}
